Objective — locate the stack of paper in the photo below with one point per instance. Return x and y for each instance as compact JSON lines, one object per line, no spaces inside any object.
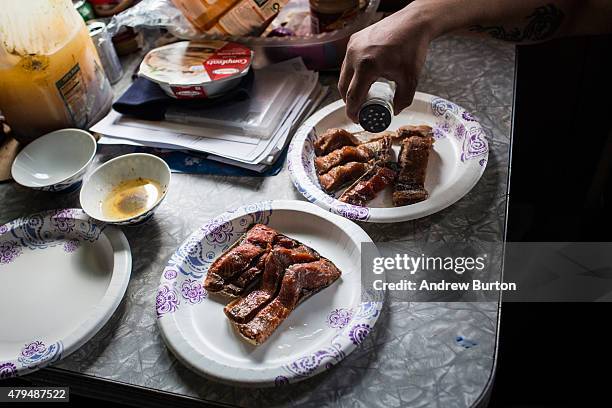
{"x":251,"y":135}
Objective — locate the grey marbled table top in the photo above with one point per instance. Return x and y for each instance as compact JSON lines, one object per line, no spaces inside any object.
{"x":412,"y":358}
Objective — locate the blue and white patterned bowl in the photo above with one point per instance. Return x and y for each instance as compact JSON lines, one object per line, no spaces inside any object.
{"x":56,"y":161}
{"x":316,"y":336}
{"x":458,"y":160}
{"x":129,"y":166}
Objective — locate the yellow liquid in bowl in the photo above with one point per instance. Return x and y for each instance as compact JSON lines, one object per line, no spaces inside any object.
{"x":131,"y":198}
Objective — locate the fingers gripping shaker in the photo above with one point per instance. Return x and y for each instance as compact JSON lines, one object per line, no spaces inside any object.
{"x":377,"y":111}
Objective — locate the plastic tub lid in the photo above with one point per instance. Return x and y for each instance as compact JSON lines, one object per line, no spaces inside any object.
{"x":196,"y":63}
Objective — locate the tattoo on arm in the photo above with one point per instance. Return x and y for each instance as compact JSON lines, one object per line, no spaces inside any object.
{"x":542,"y":24}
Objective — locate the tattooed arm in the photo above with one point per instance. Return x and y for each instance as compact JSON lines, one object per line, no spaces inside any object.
{"x":543,"y":23}
{"x":395,"y":48}
{"x":526,"y":21}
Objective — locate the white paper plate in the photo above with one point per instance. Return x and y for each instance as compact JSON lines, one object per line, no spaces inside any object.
{"x":318,"y":334}
{"x":455,"y":166}
{"x":62,"y":275}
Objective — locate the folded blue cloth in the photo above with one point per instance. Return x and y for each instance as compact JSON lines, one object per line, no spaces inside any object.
{"x":183,"y":162}
{"x":144,"y":99}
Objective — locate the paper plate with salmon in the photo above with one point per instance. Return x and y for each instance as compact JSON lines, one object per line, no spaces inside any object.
{"x":267,"y":294}
{"x":431,"y":156}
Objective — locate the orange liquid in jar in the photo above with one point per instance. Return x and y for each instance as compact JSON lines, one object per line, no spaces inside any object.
{"x":65,"y":88}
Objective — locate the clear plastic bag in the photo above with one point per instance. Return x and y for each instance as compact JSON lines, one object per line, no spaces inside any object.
{"x":154,"y":14}
{"x":319,"y":51}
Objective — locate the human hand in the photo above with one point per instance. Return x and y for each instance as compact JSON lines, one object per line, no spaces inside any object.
{"x":395,"y":49}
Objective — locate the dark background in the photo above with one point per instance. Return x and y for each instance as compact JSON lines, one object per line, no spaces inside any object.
{"x":557,"y":354}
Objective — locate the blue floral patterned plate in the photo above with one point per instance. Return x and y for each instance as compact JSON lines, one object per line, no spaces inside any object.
{"x":456,"y":164}
{"x":318,"y":334}
{"x":62,"y":275}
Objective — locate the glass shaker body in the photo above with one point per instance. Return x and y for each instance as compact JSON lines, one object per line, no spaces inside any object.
{"x":376,"y":112}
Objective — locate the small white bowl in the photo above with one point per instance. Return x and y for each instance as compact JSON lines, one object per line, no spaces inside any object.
{"x":106,"y":177}
{"x":56,"y":161}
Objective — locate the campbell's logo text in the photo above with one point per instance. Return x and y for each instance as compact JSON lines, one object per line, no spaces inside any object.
{"x":227,"y":61}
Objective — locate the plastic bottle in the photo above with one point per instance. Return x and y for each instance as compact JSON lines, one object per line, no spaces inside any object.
{"x":50,"y":73}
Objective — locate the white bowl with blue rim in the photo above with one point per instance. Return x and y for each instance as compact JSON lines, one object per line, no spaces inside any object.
{"x":99,"y":184}
{"x":56,"y":161}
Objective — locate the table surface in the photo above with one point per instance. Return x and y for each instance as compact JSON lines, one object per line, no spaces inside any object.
{"x":412,"y":357}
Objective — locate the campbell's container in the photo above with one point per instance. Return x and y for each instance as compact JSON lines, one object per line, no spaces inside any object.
{"x":197,"y":69}
{"x":50,"y":73}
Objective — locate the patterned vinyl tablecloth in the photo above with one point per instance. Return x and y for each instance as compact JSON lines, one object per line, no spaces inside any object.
{"x":419,"y":355}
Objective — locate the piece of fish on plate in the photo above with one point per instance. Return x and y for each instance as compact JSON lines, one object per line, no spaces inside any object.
{"x":243,"y":309}
{"x":264,"y":267}
{"x":333,"y":139}
{"x":367,"y":187}
{"x":299,"y":282}
{"x":404,"y":132}
{"x":362,"y":153}
{"x":413,"y":159}
{"x":342,"y":175}
{"x":239,"y":259}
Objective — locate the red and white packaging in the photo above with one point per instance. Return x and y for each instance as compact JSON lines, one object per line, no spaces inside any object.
{"x":197,"y":69}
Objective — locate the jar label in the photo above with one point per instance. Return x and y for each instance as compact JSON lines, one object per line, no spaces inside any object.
{"x":72,"y":90}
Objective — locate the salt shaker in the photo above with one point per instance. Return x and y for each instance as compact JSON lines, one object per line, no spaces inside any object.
{"x":377,"y":111}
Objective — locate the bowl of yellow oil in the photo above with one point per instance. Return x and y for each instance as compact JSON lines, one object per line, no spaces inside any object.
{"x":126,"y":190}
